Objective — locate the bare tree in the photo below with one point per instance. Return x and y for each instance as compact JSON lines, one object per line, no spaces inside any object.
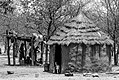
{"x":49,"y":15}
{"x":107,"y":18}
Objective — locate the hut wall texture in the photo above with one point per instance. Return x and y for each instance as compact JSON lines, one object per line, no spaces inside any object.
{"x":65,"y":58}
{"x":72,"y":59}
{"x":92,"y":63}
{"x":108,"y":51}
{"x":51,"y":58}
{"x":75,"y":57}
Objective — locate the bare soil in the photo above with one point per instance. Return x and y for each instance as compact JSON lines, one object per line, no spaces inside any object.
{"x":37,"y":73}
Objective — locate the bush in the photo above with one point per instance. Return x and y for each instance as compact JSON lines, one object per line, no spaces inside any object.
{"x":97,"y":66}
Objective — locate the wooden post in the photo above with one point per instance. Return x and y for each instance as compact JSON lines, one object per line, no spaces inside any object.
{"x":5,"y":47}
{"x":46,"y":54}
{"x":25,"y":50}
{"x":99,"y":50}
{"x":14,"y":50}
{"x":42,"y":50}
{"x":32,"y":50}
{"x":8,"y":49}
{"x":83,"y":55}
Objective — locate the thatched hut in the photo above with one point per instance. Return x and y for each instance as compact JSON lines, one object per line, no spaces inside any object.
{"x":77,"y":47}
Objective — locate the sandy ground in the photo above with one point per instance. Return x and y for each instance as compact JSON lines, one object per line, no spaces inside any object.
{"x":36,"y":73}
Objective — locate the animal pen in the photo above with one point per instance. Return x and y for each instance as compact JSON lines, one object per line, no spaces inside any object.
{"x":77,"y":47}
{"x":14,"y":38}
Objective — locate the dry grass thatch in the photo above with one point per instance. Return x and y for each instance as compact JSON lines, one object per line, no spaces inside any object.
{"x":80,"y":30}
{"x":24,"y":37}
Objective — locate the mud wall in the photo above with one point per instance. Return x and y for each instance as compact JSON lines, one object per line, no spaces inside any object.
{"x":95,"y":63}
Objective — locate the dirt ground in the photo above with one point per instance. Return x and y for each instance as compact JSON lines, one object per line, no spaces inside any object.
{"x":36,"y":73}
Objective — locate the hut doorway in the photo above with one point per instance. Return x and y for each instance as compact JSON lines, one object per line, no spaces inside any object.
{"x":58,"y":58}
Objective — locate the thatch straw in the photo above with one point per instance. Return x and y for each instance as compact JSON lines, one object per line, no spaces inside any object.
{"x":80,"y":30}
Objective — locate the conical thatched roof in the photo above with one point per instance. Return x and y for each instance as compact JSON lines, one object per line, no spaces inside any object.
{"x":80,"y":30}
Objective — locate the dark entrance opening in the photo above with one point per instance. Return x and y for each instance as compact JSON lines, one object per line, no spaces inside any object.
{"x":58,"y":57}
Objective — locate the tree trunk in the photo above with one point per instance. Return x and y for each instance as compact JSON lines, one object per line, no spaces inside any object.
{"x":115,"y":54}
{"x":48,"y":37}
{"x":118,"y":49}
{"x":114,"y":35}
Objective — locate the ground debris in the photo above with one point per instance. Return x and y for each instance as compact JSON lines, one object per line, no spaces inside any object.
{"x":87,"y":74}
{"x":95,"y":75}
{"x":114,"y":72}
{"x":90,"y":74}
{"x":68,"y":74}
{"x":10,"y":72}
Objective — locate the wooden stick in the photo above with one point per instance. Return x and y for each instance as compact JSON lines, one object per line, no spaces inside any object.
{"x":32,"y":50}
{"x":8,"y":49}
{"x":14,"y":51}
{"x":42,"y":48}
{"x":25,"y":50}
{"x":83,"y":55}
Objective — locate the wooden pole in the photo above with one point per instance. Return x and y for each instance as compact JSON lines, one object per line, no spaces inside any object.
{"x":99,"y":50}
{"x":32,"y":51}
{"x":42,"y":50}
{"x":5,"y":40}
{"x":25,"y":50}
{"x":14,"y":50}
{"x":83,"y":55}
{"x":8,"y":49}
{"x":46,"y":54}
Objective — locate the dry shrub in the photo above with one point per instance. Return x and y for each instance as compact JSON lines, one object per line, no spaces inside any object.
{"x":96,"y":65}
